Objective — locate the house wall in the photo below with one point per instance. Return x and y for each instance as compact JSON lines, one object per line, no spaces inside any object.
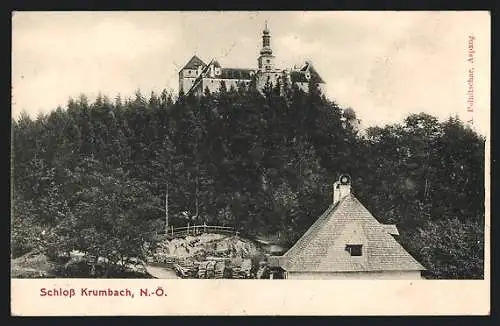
{"x":385,"y":275}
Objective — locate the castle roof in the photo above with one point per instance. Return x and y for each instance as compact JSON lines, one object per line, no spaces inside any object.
{"x":194,"y":63}
{"x":300,"y":75}
{"x":216,"y":63}
{"x":266,"y":29}
{"x":322,"y":247}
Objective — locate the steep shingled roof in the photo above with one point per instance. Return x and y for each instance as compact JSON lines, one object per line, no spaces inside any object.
{"x":299,"y":75}
{"x":315,"y":75}
{"x":194,"y":63}
{"x":322,"y":247}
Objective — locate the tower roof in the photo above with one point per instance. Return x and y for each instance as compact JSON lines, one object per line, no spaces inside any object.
{"x":266,"y":50}
{"x":322,"y":247}
{"x":194,"y":63}
{"x":266,"y":29}
{"x":266,"y":42}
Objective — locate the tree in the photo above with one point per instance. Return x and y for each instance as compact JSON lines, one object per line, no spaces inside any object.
{"x":93,"y":176}
{"x":112,"y":215}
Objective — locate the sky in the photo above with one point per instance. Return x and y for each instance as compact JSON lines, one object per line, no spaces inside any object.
{"x":385,"y":65}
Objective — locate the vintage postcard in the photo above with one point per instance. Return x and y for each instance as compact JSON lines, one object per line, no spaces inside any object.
{"x":250,"y":163}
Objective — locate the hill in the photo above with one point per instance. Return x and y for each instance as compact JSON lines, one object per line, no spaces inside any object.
{"x":93,"y":176}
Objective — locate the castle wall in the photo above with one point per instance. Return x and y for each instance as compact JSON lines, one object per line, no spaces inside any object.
{"x":186,"y":84}
{"x":187,"y":78}
{"x":189,"y":73}
{"x":214,"y":84}
{"x":264,"y":76}
{"x":305,"y":86}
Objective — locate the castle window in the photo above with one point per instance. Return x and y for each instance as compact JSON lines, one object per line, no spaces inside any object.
{"x":268,"y":61}
{"x":354,"y":250}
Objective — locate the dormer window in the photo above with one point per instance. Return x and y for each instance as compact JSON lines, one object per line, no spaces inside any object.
{"x":354,"y":250}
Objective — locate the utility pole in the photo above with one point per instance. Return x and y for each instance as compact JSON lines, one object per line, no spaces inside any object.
{"x":166,"y":211}
{"x":197,"y":203}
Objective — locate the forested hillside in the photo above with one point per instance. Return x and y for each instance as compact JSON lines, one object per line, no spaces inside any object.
{"x":93,"y":176}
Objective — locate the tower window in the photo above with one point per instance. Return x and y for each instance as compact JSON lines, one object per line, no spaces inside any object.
{"x":268,"y":61}
{"x":354,"y":250}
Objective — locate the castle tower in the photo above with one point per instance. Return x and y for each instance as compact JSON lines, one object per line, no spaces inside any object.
{"x":266,"y":58}
{"x":189,"y":73}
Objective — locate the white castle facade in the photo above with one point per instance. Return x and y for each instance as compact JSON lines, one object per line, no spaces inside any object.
{"x":196,"y":75}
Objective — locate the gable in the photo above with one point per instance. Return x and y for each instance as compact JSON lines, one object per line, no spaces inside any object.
{"x":315,"y":75}
{"x":323,"y":247}
{"x":194,"y":63}
{"x":300,"y":75}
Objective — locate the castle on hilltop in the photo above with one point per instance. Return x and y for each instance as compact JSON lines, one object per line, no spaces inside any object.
{"x":196,"y":75}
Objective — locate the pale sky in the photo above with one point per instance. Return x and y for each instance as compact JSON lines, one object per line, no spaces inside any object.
{"x":384,"y":65}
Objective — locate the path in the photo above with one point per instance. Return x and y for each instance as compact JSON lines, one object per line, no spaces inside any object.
{"x":161,"y":272}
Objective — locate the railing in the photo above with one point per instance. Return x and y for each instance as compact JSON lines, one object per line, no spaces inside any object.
{"x":199,"y":229}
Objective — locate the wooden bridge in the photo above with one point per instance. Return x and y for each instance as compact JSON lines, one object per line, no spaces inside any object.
{"x":198,"y":229}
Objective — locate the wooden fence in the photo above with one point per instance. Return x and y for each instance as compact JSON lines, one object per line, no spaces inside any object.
{"x":199,"y":229}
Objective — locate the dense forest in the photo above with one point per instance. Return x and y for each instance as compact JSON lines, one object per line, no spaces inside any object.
{"x":93,"y":176}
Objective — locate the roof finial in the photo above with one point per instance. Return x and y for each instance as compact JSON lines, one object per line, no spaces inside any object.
{"x":266,"y":30}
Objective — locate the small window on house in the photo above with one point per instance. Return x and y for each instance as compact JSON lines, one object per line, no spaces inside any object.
{"x":354,"y":250}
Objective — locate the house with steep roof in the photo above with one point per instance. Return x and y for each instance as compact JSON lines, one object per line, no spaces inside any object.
{"x":197,"y":76}
{"x":347,"y":242}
